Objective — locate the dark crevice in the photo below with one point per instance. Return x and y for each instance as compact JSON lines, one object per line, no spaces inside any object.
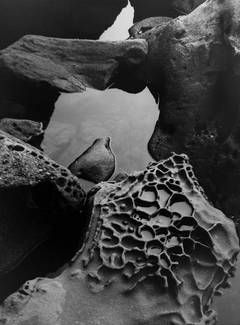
{"x":39,"y":234}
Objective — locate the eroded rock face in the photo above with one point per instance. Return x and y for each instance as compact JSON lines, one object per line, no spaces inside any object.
{"x":191,"y":65}
{"x":37,"y":195}
{"x":146,"y":25}
{"x":24,"y":165}
{"x":87,"y":19}
{"x":36,"y":69}
{"x":192,"y":70}
{"x":156,"y":251}
{"x":24,"y":130}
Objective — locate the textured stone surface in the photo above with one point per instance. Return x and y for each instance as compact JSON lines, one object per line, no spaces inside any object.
{"x":24,"y":130}
{"x":71,"y":65}
{"x":193,"y":69}
{"x":156,"y":252}
{"x":24,"y":165}
{"x":145,"y":26}
{"x":37,"y":195}
{"x":35,"y":69}
{"x":72,"y":19}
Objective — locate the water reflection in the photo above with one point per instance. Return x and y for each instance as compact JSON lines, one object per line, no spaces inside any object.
{"x":81,"y":118}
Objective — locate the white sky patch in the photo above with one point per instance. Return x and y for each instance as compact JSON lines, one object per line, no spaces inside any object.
{"x":119,"y":29}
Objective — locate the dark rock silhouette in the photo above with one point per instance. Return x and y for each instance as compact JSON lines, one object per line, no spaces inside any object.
{"x":36,"y":196}
{"x":170,"y":8}
{"x":72,"y":19}
{"x":64,"y":19}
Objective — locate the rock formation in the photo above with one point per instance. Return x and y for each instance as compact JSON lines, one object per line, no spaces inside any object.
{"x":70,"y":19}
{"x":24,"y":165}
{"x":37,"y":195}
{"x":156,"y":251}
{"x":97,"y":163}
{"x":24,"y":130}
{"x":62,"y":18}
{"x":192,"y":68}
{"x":36,"y":69}
{"x":85,"y":19}
{"x":145,"y":26}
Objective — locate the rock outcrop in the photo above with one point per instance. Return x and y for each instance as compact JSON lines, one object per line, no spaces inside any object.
{"x":36,"y":69}
{"x":24,"y":165}
{"x":37,"y":195}
{"x":97,"y":163}
{"x":24,"y":130}
{"x":193,"y":68}
{"x":190,"y":63}
{"x":156,"y":251}
{"x":86,"y":19}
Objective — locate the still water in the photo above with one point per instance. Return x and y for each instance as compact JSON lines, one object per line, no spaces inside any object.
{"x":79,"y":119}
{"x":129,"y":120}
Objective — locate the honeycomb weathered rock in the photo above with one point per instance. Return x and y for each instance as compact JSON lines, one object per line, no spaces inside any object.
{"x":156,"y":252}
{"x":158,"y":223}
{"x":24,"y":165}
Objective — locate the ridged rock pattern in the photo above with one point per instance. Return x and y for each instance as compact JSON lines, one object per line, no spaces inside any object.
{"x":156,"y":252}
{"x":158,"y":223}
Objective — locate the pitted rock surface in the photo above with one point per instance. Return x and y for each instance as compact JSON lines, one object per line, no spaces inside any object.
{"x":21,"y":129}
{"x":158,"y":224}
{"x":156,"y":252}
{"x":23,"y":164}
